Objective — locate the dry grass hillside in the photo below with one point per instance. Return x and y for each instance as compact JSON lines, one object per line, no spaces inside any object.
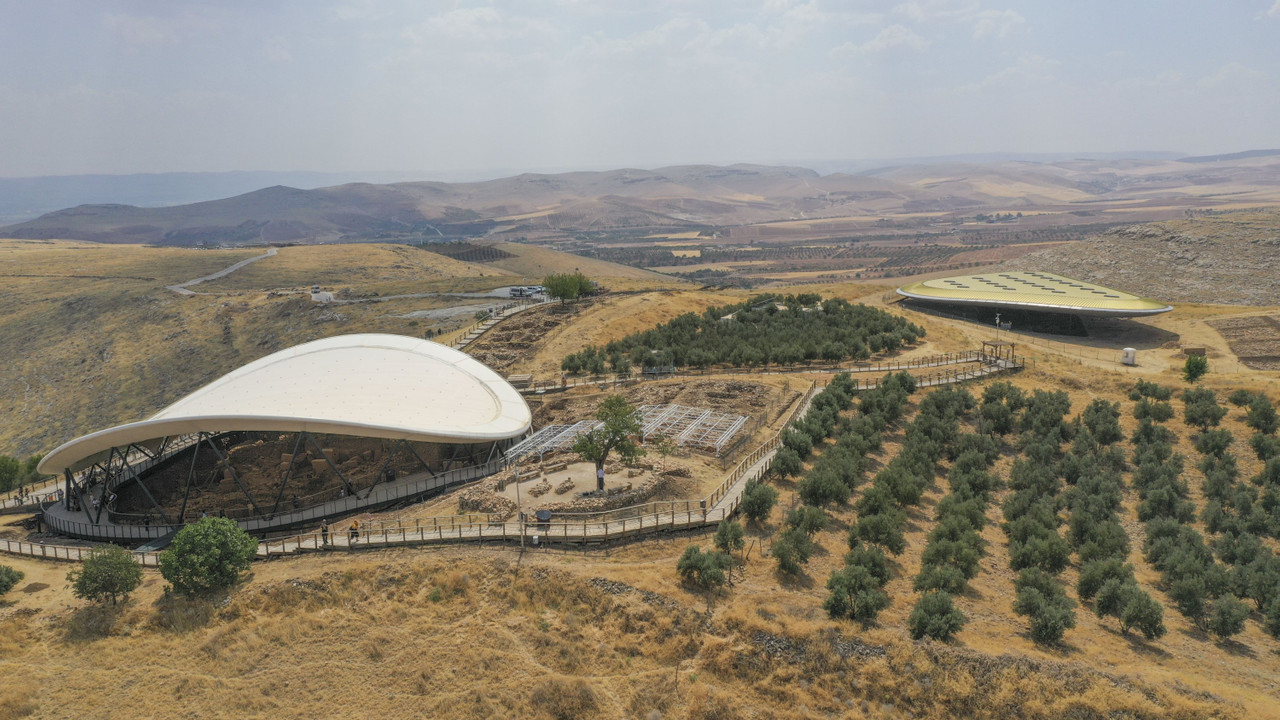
{"x":532,"y":261}
{"x":480,"y":632}
{"x":1230,"y":258}
{"x":96,"y":339}
{"x":474,"y":632}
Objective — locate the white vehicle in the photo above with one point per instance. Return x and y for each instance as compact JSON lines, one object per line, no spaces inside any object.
{"x":519,"y":292}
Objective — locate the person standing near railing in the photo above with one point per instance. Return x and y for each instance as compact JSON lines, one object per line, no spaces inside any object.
{"x":324,"y":533}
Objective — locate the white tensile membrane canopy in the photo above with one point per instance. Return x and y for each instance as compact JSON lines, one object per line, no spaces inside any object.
{"x":370,"y":385}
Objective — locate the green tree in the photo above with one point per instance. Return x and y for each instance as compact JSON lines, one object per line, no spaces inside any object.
{"x":935,"y":616}
{"x":807,"y":519}
{"x":567,"y":286}
{"x":940,"y":577}
{"x":1095,"y":574}
{"x":1043,"y":601}
{"x":9,"y":578}
{"x":729,"y":536}
{"x":705,"y":570}
{"x":855,"y":593}
{"x":207,"y":555}
{"x":1113,"y":596}
{"x":786,"y":463}
{"x":758,"y":500}
{"x":1262,"y":416}
{"x":1201,"y":408}
{"x":109,"y":573}
{"x":821,"y":487}
{"x":1227,"y":616}
{"x":792,"y":550}
{"x":1195,"y":368}
{"x":883,"y":529}
{"x":10,"y":471}
{"x":1272,"y":617}
{"x":1190,"y":596}
{"x":621,"y":423}
{"x":1144,"y":614}
{"x":1103,"y":420}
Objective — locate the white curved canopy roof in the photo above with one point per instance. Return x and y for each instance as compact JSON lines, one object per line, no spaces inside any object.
{"x":385,"y":386}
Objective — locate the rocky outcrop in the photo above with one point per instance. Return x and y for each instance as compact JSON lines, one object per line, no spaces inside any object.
{"x":1232,"y":258}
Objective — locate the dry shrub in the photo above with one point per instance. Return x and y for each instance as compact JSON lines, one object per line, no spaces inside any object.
{"x":15,"y":635}
{"x":564,"y":698}
{"x":457,"y":583}
{"x":91,"y":623}
{"x":17,"y":702}
{"x":372,"y":650}
{"x":179,"y":614}
{"x":652,"y":694}
{"x":706,"y":703}
{"x":218,"y":641}
{"x":728,"y":659}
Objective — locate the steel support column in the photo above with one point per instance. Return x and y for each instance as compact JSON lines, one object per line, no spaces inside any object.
{"x":293,"y":462}
{"x":234,"y":475}
{"x":191,"y":473}
{"x":350,"y":489}
{"x":383,"y":471}
{"x":414,"y":450}
{"x":137,"y":479}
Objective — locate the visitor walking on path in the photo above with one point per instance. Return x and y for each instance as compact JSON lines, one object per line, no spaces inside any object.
{"x":324,"y":533}
{"x":354,"y":533}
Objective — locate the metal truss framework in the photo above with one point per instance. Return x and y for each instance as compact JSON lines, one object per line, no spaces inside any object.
{"x":685,"y":426}
{"x":93,"y":489}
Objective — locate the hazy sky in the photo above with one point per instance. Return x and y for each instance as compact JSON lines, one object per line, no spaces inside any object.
{"x":454,"y":88}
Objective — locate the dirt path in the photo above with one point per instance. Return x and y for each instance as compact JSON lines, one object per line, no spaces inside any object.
{"x":181,"y":288}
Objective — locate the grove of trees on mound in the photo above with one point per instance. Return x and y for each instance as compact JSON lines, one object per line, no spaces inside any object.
{"x":765,"y":330}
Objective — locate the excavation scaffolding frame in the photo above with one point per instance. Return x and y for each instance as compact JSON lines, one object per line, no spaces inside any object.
{"x":686,"y":426}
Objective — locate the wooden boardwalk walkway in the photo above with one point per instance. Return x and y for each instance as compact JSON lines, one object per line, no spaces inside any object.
{"x":603,"y":527}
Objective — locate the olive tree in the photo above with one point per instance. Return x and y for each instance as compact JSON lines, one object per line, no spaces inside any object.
{"x":109,"y":573}
{"x":935,"y":616}
{"x":8,"y":578}
{"x":706,"y":570}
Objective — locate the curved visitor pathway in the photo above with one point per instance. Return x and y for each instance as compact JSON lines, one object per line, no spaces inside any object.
{"x":601,"y":527}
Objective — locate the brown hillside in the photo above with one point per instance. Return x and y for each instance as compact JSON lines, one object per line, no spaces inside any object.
{"x":1232,"y":258}
{"x":754,"y":200}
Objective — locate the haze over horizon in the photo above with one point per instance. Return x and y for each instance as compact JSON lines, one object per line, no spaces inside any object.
{"x":467,"y":90}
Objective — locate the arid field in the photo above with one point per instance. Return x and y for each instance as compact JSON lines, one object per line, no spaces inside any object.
{"x":475,"y":631}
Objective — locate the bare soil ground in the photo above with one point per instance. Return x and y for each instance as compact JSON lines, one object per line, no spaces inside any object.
{"x":510,"y":341}
{"x":1254,"y":339}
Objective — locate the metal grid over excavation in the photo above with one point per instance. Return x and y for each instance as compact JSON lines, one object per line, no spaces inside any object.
{"x":551,"y":438}
{"x":685,"y":426}
{"x":690,"y":426}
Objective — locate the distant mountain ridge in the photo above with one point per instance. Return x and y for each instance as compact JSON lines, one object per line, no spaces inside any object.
{"x":685,"y":197}
{"x":25,"y":198}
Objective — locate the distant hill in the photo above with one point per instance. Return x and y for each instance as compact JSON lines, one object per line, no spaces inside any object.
{"x":1232,"y":258}
{"x":25,"y":198}
{"x":672,"y":199}
{"x":1231,"y":156}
